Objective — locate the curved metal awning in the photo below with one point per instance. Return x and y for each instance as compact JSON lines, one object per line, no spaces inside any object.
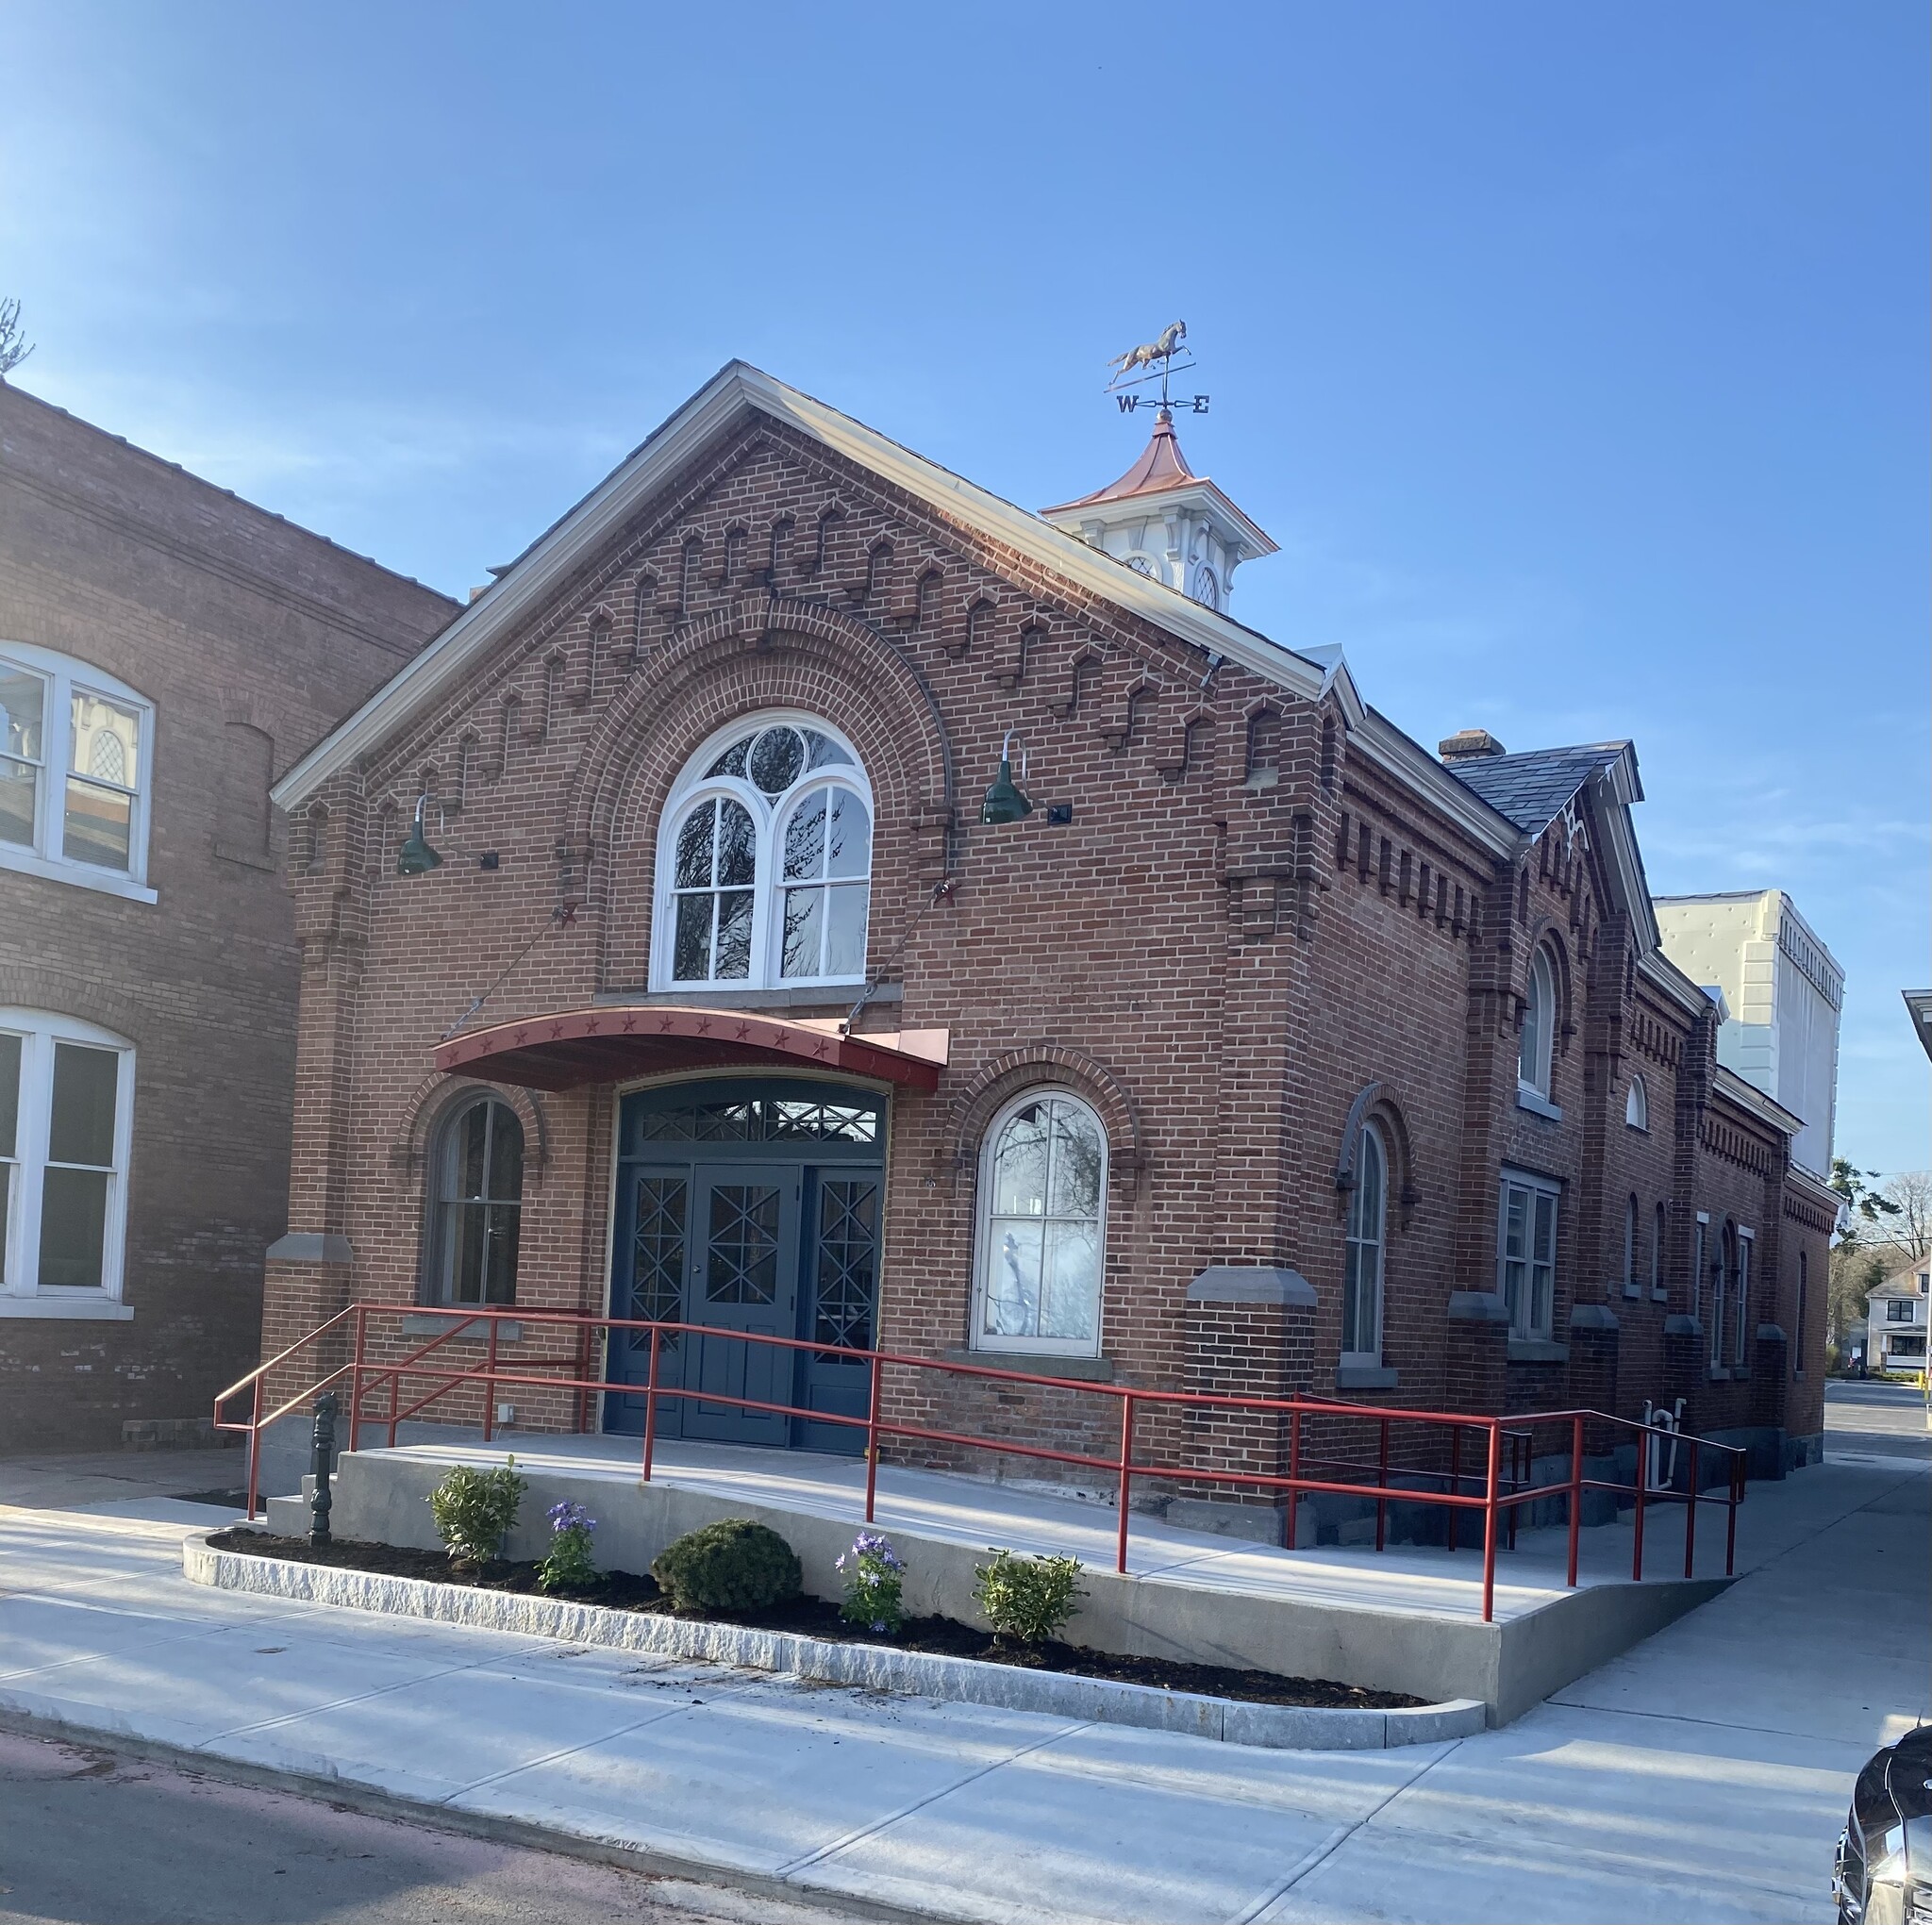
{"x":568,"y":1049}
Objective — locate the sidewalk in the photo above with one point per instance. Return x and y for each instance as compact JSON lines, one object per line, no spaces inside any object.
{"x":1701,"y":1776}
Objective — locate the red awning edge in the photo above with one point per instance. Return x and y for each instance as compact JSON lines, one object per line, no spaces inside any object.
{"x":569,"y":1049}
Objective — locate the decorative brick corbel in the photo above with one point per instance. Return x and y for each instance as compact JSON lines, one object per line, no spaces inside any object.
{"x":1172,"y":764}
{"x":1123,"y":724}
{"x":1029,"y":630}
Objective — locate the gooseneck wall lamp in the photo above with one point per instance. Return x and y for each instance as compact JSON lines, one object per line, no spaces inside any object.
{"x":1003,"y":801}
{"x":416,"y":857}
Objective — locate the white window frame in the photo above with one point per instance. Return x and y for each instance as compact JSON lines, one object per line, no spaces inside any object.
{"x":1633,"y":1285}
{"x":1720,"y":1297}
{"x":1533,"y":1314}
{"x":1700,"y":1257}
{"x":1359,"y":1236}
{"x":65,"y":677}
{"x":1659,"y":1229}
{"x":984,"y":1253}
{"x":20,"y":1292}
{"x":1740,"y":1284}
{"x":769,"y":818}
{"x":1538,"y":1038}
{"x":1637,"y":1107}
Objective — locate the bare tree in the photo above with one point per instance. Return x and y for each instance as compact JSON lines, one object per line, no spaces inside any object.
{"x":1909,"y":1223}
{"x":14,"y":347}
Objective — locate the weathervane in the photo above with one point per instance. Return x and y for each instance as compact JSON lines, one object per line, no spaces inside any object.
{"x":1128,"y":378}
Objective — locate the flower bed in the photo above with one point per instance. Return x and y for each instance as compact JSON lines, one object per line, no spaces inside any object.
{"x":817,"y":1618}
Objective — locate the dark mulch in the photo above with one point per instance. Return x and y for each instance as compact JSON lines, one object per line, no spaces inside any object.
{"x":944,"y":1636}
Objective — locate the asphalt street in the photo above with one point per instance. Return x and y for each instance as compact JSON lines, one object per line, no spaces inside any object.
{"x":99,"y":1840}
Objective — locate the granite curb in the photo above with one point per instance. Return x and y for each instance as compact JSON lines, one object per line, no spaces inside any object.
{"x":867,"y":1666}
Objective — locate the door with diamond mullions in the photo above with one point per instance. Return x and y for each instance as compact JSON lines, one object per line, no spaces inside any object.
{"x":743,"y":1244}
{"x":748,"y":1206}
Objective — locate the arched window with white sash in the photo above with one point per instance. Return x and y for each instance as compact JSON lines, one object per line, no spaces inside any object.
{"x":1043,"y":1207}
{"x":765,"y":860}
{"x":1368,"y":1224}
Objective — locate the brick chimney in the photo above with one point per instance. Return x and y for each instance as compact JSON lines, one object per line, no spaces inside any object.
{"x":1467,"y":744}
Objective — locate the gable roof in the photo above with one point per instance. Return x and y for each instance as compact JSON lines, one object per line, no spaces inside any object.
{"x":1533,"y":789}
{"x":735,"y":394}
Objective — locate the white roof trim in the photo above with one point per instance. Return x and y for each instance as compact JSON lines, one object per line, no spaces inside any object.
{"x":1748,"y":1097}
{"x":734,"y":391}
{"x":1408,"y":762}
{"x":1663,"y":976}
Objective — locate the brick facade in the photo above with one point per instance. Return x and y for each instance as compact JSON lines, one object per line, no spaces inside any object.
{"x":1251,"y":928}
{"x":250,"y":637}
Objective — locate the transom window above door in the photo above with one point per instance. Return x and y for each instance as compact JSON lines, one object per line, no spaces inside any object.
{"x":764,"y":865}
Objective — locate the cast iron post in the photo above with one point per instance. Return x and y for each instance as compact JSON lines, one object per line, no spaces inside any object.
{"x":321,"y":1456}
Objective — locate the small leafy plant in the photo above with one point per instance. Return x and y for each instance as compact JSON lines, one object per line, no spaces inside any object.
{"x":733,"y":1565}
{"x":874,"y":1575}
{"x":1028,"y":1598}
{"x":569,"y":1566}
{"x":476,"y":1510}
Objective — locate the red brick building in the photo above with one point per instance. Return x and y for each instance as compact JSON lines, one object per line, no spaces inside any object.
{"x":165,"y":650}
{"x":1267,"y":1051}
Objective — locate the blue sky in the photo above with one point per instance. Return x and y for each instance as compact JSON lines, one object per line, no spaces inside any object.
{"x":1575,"y":356}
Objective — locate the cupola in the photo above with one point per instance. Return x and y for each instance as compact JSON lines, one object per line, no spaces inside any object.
{"x":1172,"y":524}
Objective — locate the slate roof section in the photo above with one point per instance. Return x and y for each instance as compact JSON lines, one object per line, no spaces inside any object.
{"x":1532,"y":788}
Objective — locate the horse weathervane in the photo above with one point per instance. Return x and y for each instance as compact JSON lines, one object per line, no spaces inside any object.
{"x":1129,"y":375}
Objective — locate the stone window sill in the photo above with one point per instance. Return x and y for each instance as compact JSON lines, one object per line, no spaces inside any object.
{"x":1634,"y":1292}
{"x":1038,"y":1364}
{"x":773,"y":1002}
{"x":433,"y":1323}
{"x":80,"y":874}
{"x":1538,"y":1350}
{"x":1537,"y":1103}
{"x":1364,"y":1377}
{"x":68,"y":1309}
{"x":1659,"y":1296}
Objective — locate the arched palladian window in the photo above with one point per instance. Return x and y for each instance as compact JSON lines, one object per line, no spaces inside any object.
{"x":1368,"y":1217}
{"x":1637,"y":1105}
{"x":764,"y":865}
{"x":477,"y":1206}
{"x":1538,"y":1027}
{"x":1042,"y":1189}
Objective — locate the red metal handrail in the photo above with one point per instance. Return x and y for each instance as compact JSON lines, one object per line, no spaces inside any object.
{"x":1499,"y":1501}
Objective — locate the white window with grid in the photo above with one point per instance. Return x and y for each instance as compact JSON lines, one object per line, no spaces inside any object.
{"x":764,"y":864}
{"x":66,"y":1102}
{"x":76,"y":753}
{"x":1527,"y":1251}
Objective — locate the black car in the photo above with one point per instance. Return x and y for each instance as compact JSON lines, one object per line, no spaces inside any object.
{"x":1884,"y":1870}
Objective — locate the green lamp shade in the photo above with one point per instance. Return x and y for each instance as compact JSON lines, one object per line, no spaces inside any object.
{"x":1004,"y":803}
{"x":417,"y":858}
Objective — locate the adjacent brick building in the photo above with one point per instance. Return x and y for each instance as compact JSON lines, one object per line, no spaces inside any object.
{"x":165,"y":650}
{"x":1265,"y":1051}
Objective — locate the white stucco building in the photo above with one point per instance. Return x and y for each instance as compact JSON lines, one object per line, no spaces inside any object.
{"x":1782,"y":989}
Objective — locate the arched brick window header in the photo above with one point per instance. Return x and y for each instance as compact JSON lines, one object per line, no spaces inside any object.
{"x":436,"y":1096}
{"x":1376,"y":1103}
{"x":1050,"y":1064}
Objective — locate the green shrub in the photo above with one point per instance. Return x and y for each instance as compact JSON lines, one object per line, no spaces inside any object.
{"x":733,"y":1565}
{"x":1029,"y":1598}
{"x":475,"y":1510}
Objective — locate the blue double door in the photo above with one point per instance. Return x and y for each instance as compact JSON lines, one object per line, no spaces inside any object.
{"x":752,"y":1208}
